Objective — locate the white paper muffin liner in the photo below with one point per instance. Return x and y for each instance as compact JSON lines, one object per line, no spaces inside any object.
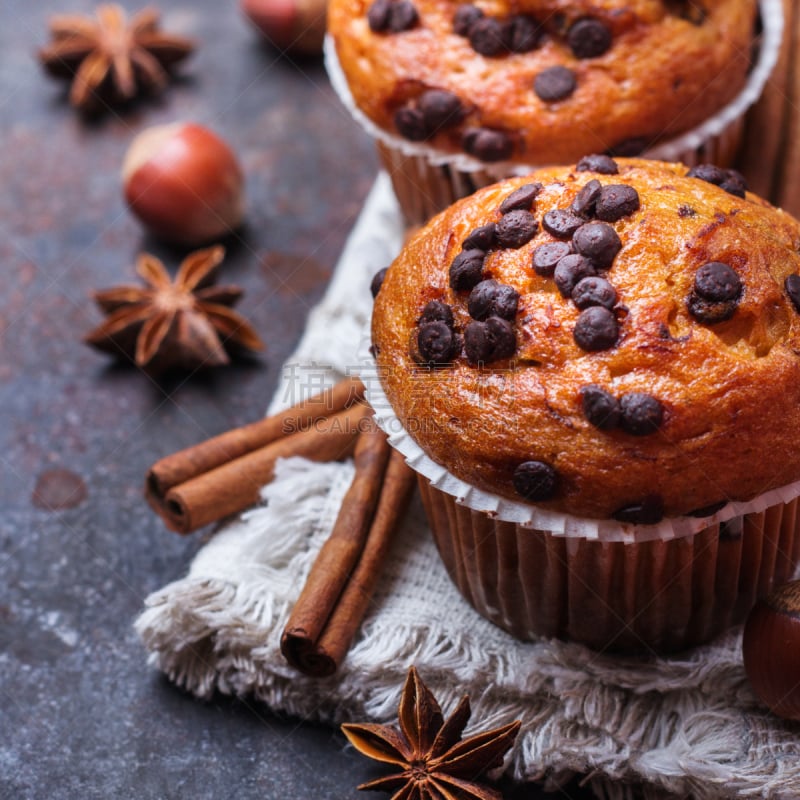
{"x":423,"y":189}
{"x":530,"y":516}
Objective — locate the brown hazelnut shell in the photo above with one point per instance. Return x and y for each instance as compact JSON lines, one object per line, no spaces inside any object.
{"x":184,"y":183}
{"x":771,"y":650}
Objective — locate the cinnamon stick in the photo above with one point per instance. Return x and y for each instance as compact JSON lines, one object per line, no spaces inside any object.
{"x":235,"y":485}
{"x":339,"y":555}
{"x":212,"y":453}
{"x":333,"y":643}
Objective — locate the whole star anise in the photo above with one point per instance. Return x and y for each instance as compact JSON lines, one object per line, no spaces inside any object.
{"x":185,"y":324}
{"x":110,"y":59}
{"x":435,"y":763}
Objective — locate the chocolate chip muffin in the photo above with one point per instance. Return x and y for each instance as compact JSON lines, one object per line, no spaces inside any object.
{"x":615,"y":341}
{"x":473,"y":85}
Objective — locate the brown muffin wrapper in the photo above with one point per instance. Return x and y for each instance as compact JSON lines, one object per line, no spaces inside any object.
{"x":785,"y":186}
{"x":772,"y":160}
{"x":653,"y":596}
{"x":424,"y":188}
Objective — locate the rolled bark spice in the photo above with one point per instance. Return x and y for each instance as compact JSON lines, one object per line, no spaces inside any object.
{"x":190,"y":463}
{"x":205,"y":456}
{"x":338,"y":557}
{"x":235,"y":485}
{"x":334,"y":641}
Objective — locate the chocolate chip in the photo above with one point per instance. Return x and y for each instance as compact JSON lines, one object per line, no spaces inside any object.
{"x":598,"y":162}
{"x":402,"y":16}
{"x":521,"y":199}
{"x":487,"y":36}
{"x":596,"y":329}
{"x":598,"y":242}
{"x":587,"y":197}
{"x":554,"y":83}
{"x":649,"y":511}
{"x":710,"y":312}
{"x":482,"y":238}
{"x":589,"y":38}
{"x":792,"y":286}
{"x":437,"y":311}
{"x":735,"y":184}
{"x":730,"y":180}
{"x":410,"y":124}
{"x":616,"y":201}
{"x":715,"y":294}
{"x":440,"y":109}
{"x":516,"y":228}
{"x":570,"y":270}
{"x":735,"y":175}
{"x":594,"y":291}
{"x":492,"y":299}
{"x":600,"y":407}
{"x":535,"y":481}
{"x":489,"y":341}
{"x":465,"y":17}
{"x":377,"y":281}
{"x":642,"y":414}
{"x":561,"y":222}
{"x":710,"y":173}
{"x":466,"y":270}
{"x":717,"y":282}
{"x":436,"y":343}
{"x":523,"y":34}
{"x":378,"y":15}
{"x":487,"y":144}
{"x":707,"y":511}
{"x":392,"y":15}
{"x":685,"y":211}
{"x":546,"y":256}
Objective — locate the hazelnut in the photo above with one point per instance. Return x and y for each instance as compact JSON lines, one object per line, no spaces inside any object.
{"x":183,"y":183}
{"x":771,"y":649}
{"x":297,"y":26}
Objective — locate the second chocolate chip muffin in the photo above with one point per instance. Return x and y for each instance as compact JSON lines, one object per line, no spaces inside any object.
{"x":543,"y":81}
{"x":459,"y":95}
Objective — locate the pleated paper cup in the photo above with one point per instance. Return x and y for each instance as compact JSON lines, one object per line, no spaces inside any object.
{"x":652,"y":596}
{"x":427,"y":180}
{"x":609,"y":585}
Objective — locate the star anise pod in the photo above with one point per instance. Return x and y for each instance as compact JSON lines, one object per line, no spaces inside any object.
{"x":110,"y":59}
{"x":185,"y":324}
{"x":434,"y":762}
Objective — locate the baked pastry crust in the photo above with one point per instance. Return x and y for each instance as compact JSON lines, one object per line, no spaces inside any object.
{"x":729,"y":390}
{"x":664,"y":72}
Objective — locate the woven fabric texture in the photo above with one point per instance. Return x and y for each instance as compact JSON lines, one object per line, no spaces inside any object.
{"x":689,"y":725}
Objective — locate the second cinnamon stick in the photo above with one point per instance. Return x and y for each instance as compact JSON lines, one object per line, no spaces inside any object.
{"x":334,"y":641}
{"x":339,"y":555}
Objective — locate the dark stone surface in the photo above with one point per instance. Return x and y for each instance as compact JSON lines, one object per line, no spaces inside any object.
{"x":83,"y":715}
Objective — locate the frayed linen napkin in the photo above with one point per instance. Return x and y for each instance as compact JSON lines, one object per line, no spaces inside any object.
{"x":688,"y":724}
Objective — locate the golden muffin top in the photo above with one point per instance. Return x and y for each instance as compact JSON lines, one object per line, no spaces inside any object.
{"x":619,"y":338}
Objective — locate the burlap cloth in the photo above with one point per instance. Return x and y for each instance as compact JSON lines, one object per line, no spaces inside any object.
{"x":687,"y":724}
